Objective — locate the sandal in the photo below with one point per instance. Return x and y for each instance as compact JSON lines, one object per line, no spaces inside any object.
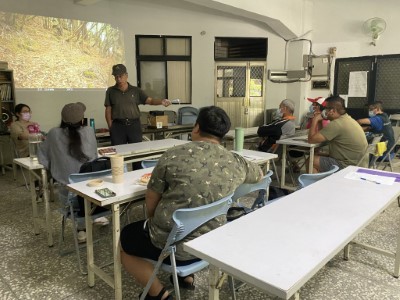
{"x":158,"y":297}
{"x":184,"y":284}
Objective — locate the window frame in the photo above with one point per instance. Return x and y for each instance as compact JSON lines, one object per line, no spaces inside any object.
{"x":164,"y":58}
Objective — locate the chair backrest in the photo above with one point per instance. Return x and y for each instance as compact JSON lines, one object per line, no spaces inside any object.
{"x":144,"y":117}
{"x":395,"y":118}
{"x":148,"y":163}
{"x":247,"y":188}
{"x":371,"y":148}
{"x":171,"y":116}
{"x":189,"y":219}
{"x":307,"y":179}
{"x":187,"y":115}
{"x":78,"y":177}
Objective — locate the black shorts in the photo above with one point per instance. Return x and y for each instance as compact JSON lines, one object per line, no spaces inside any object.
{"x":136,"y":241}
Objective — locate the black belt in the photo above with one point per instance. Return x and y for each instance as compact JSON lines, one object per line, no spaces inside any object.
{"x":125,"y":121}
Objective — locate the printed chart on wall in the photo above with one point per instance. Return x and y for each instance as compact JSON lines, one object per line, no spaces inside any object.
{"x":358,"y":86}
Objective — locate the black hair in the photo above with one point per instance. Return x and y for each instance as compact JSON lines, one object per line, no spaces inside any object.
{"x":18,"y":108}
{"x":213,"y":121}
{"x":337,"y":103}
{"x":74,"y":141}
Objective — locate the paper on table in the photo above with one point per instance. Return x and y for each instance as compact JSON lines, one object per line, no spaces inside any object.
{"x":376,"y":179}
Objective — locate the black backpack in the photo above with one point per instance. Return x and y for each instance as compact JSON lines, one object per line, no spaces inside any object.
{"x":98,"y":164}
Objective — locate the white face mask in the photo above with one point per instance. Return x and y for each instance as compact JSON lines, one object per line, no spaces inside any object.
{"x":278,"y":113}
{"x":371,"y":113}
{"x":311,"y":109}
{"x":324,"y":115}
{"x":26,"y":116}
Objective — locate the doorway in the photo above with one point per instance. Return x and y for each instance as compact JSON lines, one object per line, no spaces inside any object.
{"x":240,"y":91}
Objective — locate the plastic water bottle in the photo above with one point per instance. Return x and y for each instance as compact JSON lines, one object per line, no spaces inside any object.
{"x":92,"y":124}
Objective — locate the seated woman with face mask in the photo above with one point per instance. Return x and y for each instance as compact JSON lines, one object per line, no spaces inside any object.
{"x":19,"y":130}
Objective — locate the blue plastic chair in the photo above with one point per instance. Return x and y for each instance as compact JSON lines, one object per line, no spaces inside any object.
{"x":187,"y":115}
{"x":307,"y":179}
{"x":261,"y":186}
{"x":186,"y":220}
{"x":148,"y":163}
{"x":68,"y":209}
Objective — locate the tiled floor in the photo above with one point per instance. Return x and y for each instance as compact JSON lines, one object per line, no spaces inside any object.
{"x":29,"y":269}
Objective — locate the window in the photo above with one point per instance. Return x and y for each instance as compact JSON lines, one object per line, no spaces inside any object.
{"x":383,"y":75}
{"x":240,"y":49}
{"x":164,"y":66}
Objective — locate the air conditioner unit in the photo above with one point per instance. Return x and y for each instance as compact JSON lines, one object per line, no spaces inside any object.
{"x":289,"y":74}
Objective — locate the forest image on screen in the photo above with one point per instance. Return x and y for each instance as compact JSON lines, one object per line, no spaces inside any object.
{"x":49,"y":53}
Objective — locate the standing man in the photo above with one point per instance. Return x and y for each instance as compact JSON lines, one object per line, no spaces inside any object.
{"x":347,"y":142}
{"x":122,"y":108}
{"x":378,"y":122}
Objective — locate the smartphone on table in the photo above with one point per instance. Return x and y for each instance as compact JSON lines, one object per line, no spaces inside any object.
{"x":105,"y":193}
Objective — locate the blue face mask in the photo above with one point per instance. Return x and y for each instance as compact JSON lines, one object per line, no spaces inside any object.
{"x":371,"y":113}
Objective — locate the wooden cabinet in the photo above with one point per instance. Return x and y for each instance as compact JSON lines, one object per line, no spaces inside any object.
{"x":7,"y":95}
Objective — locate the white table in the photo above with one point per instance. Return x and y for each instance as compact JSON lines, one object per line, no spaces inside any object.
{"x":125,"y":192}
{"x":34,"y":168}
{"x":167,"y":132}
{"x":300,"y":234}
{"x":301,"y":141}
{"x":145,"y":150}
{"x":248,"y":133}
{"x":258,"y":157}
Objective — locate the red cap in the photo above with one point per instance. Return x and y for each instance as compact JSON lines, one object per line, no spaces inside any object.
{"x":319,"y":100}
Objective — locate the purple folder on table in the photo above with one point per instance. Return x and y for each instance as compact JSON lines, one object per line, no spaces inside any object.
{"x":380,"y":173}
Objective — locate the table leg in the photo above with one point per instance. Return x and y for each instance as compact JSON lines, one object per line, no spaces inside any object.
{"x":311,"y":161}
{"x":283,"y":179}
{"x":116,"y":253}
{"x":49,"y":226}
{"x":89,"y":243}
{"x":34,"y":204}
{"x":213,"y":291}
{"x":397,"y":258}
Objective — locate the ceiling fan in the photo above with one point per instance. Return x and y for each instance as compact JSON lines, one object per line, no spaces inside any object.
{"x":374,"y":27}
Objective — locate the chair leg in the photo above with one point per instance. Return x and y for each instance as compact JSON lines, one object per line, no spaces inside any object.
{"x":232,"y":287}
{"x":153,"y":276}
{"x":276,"y":172}
{"x":175,"y":276}
{"x":76,"y":243}
{"x":62,"y":236}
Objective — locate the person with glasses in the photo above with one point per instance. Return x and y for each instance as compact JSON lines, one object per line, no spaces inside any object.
{"x":345,"y":137}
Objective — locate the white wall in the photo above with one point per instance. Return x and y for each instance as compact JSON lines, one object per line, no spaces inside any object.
{"x":334,"y":24}
{"x":141,"y":17}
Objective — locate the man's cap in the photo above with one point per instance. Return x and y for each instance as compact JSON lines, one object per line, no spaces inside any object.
{"x":319,"y":100}
{"x":72,"y":113}
{"x":119,"y":69}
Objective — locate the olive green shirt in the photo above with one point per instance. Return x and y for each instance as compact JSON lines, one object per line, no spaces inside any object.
{"x":347,"y":141}
{"x":192,"y":175}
